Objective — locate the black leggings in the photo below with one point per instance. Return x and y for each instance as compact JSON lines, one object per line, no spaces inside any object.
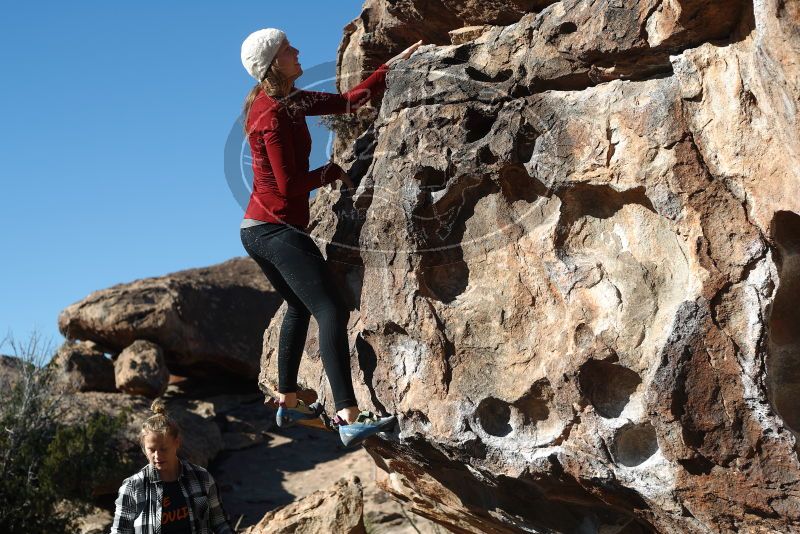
{"x":298,"y":272}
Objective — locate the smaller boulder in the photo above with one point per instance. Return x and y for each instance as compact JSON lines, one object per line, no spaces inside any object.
{"x":339,"y":508}
{"x":466,"y":34}
{"x":82,"y":366}
{"x":140,"y":369}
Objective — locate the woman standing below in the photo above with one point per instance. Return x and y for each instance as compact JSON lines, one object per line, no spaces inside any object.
{"x":168,"y":495}
{"x":273,"y":230}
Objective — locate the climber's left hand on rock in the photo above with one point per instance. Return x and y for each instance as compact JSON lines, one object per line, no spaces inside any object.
{"x":405,"y":54}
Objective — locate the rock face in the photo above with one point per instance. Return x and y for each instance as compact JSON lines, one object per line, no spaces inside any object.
{"x":208,"y":321}
{"x":386,"y":28}
{"x":81,"y":366}
{"x":573,"y":261}
{"x":338,"y":508}
{"x":140,"y":369}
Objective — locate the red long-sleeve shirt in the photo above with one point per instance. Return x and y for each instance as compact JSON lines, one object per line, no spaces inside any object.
{"x":281,"y":145}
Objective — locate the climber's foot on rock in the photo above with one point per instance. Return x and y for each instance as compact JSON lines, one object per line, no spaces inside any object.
{"x":287,"y":417}
{"x":366,"y":424}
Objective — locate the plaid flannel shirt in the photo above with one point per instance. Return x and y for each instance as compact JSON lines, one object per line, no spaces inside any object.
{"x":138,"y":505}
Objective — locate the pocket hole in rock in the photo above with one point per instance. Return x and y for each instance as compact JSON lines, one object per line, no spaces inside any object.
{"x":486,"y":156}
{"x":583,"y":336}
{"x":525,"y":143}
{"x":634,"y":444}
{"x":480,"y":76}
{"x":493,"y":415}
{"x":431,"y":179}
{"x":608,"y":386}
{"x":567,"y":27}
{"x":477,"y":124}
{"x":534,"y":404}
{"x":783,"y":359}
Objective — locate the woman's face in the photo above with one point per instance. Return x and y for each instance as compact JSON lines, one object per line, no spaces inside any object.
{"x":161,"y":450}
{"x":287,"y":62}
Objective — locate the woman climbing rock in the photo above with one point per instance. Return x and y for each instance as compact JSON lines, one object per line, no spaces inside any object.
{"x":169,"y":494}
{"x":273,"y":231}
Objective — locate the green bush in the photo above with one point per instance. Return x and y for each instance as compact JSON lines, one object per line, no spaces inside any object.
{"x":78,"y":455}
{"x":44,"y":462}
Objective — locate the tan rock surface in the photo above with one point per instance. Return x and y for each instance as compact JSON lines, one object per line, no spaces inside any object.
{"x":572,"y":260}
{"x":98,"y":521}
{"x":467,"y":33}
{"x":384,"y":29}
{"x":338,"y":508}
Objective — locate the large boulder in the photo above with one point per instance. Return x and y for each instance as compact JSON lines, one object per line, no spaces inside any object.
{"x":208,"y":321}
{"x":338,"y":508}
{"x":140,"y":369}
{"x":573,"y":259}
{"x":83,"y":366}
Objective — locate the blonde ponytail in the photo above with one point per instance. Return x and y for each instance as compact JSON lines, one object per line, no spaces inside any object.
{"x":274,"y":84}
{"x":160,"y":422}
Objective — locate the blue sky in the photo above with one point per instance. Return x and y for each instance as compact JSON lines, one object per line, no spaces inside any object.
{"x":115,"y":118}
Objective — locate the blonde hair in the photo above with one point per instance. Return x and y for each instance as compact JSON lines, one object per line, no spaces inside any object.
{"x":160,"y":423}
{"x":275,"y":84}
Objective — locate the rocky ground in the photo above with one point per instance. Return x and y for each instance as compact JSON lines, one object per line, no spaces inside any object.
{"x":297,"y":462}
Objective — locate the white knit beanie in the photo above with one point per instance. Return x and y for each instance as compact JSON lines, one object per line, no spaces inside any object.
{"x":259,"y":49}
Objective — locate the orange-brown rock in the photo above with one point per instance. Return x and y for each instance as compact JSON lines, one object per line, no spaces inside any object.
{"x":573,"y":260}
{"x":338,"y":509}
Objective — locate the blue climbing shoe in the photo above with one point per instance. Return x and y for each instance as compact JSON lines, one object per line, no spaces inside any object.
{"x":366,"y":425}
{"x":287,"y":417}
